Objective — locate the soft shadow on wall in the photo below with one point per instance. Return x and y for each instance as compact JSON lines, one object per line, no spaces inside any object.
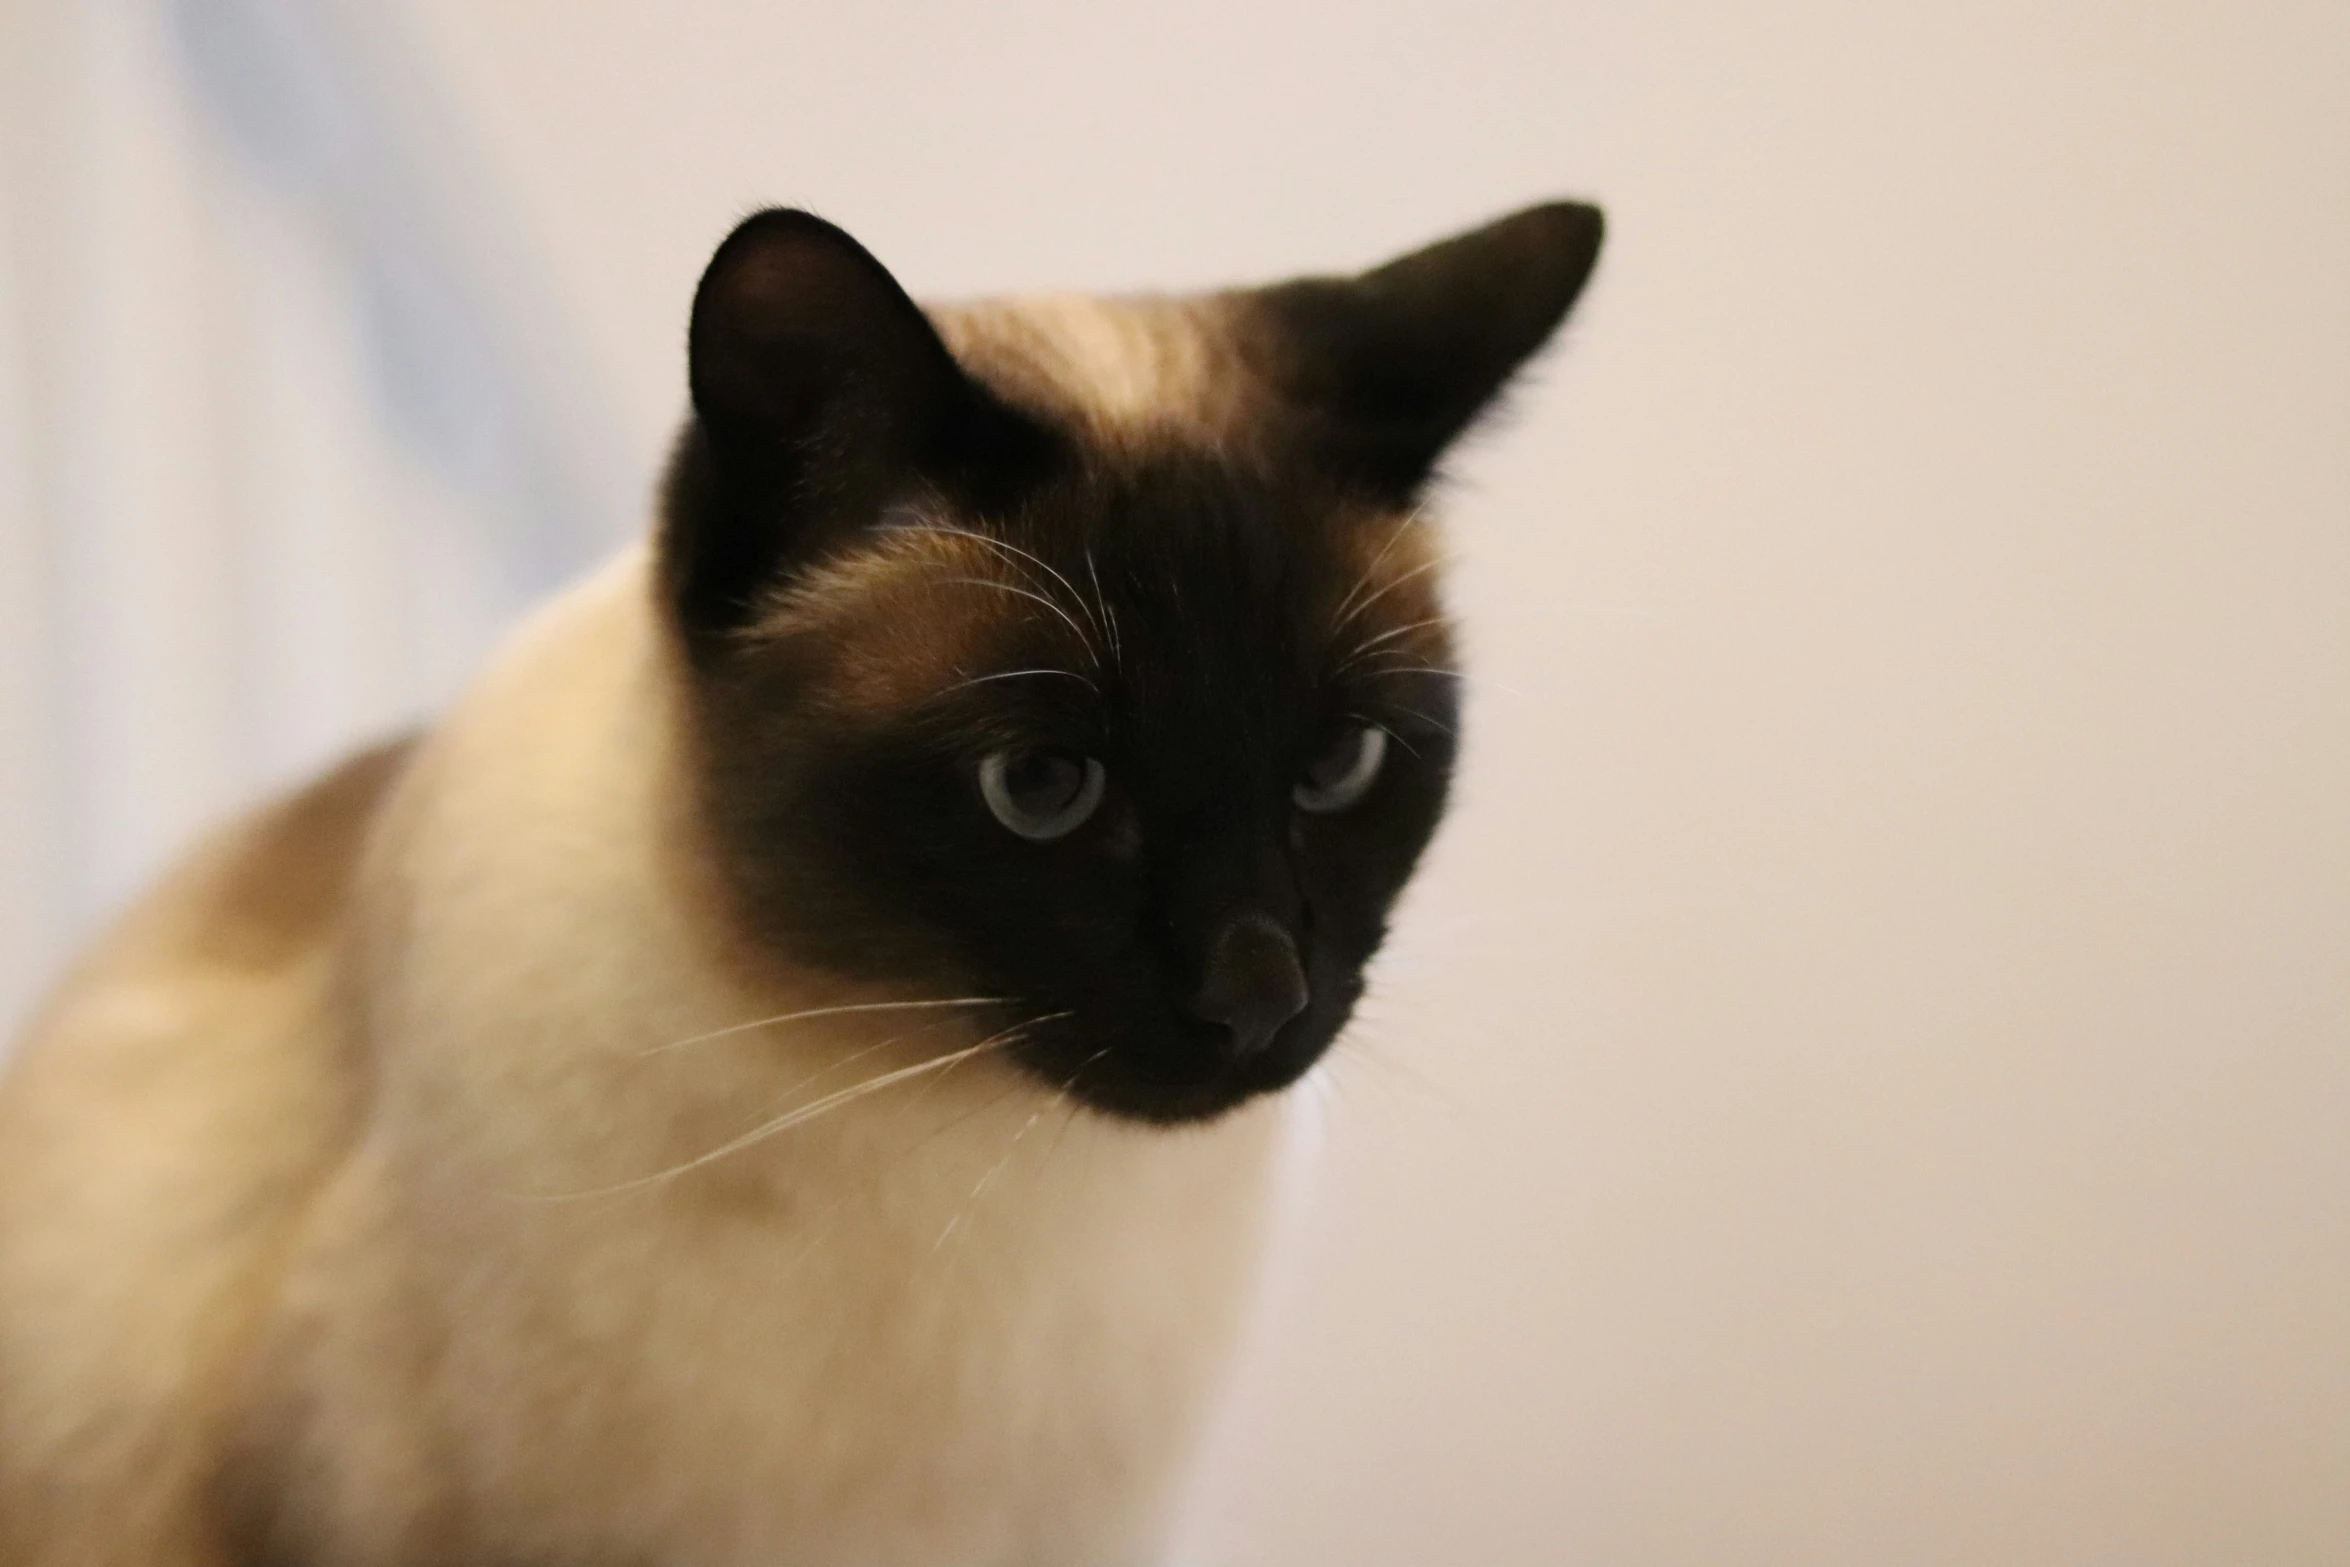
{"x":286,"y":435}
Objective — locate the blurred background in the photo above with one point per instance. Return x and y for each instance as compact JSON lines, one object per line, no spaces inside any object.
{"x":1865,"y":1077}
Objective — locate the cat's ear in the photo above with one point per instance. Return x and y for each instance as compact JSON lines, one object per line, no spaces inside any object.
{"x":820,"y":393}
{"x":1389,"y":368}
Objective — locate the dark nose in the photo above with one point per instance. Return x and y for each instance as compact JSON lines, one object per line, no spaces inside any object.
{"x":1253,"y":982}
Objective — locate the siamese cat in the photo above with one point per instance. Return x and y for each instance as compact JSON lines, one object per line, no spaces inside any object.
{"x":786,"y":1071}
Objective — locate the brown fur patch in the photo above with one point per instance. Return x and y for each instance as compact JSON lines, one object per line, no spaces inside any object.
{"x":291,"y":867}
{"x":917,"y":612}
{"x":1394,"y":615}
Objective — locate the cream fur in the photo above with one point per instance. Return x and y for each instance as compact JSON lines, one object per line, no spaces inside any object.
{"x":1124,"y":369}
{"x":356,"y":1184}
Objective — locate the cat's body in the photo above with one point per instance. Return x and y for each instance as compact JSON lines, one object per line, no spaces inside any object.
{"x":828,"y":1338}
{"x":402,"y":1185}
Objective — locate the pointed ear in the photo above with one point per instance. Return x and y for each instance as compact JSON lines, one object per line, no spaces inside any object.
{"x":820,"y":393}
{"x":1390,"y":368}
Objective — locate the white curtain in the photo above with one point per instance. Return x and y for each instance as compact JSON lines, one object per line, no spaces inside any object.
{"x":285,"y":432}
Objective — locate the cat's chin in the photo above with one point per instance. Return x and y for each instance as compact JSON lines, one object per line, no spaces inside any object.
{"x":1187,"y":1079}
{"x":1189,"y":1104}
{"x":1161,"y":1104}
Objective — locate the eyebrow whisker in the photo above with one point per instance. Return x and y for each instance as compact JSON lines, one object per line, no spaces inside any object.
{"x":1363,"y":649}
{"x":1109,"y":616}
{"x":1418,"y":669}
{"x":1015,"y":674}
{"x":1005,"y":546}
{"x":1026,"y":593}
{"x":1364,"y":581}
{"x":1421,"y":570}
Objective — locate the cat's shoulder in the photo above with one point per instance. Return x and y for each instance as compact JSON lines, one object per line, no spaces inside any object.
{"x":261,"y":891}
{"x":202,"y":984}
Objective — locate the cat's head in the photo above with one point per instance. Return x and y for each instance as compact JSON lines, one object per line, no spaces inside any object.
{"x":1086,"y":653}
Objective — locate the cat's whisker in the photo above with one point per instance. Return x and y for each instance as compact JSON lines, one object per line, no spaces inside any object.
{"x":1027,"y":593}
{"x":971,"y":1204}
{"x":1054,"y":572}
{"x":816,"y":1012}
{"x":1001,"y":546}
{"x":1061,"y":1097}
{"x":930,"y":1086}
{"x":1484,"y":681}
{"x":1068,"y":1096}
{"x":975,"y":1110}
{"x":1390,"y":586}
{"x":785,"y":1122}
{"x":1365,"y":648}
{"x":1109,"y":616}
{"x":1026,"y":1127}
{"x":1341,"y":615}
{"x":1437,"y":724}
{"x":1383,"y":729}
{"x":804,"y":1114}
{"x":1358,"y":1052}
{"x":1014,"y":674}
{"x":1006,"y":546}
{"x":855,"y":1056}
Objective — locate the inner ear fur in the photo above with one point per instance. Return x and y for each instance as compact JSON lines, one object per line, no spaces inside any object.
{"x":1385,"y":370}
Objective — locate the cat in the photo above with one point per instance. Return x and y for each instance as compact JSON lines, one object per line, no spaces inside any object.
{"x":787,"y":1070}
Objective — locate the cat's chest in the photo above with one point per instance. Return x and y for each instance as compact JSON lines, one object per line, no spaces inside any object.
{"x":999,"y":1359}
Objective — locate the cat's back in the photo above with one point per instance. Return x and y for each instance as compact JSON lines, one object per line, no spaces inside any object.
{"x":161,"y":1123}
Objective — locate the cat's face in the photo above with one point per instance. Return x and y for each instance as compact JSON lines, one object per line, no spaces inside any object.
{"x":1097,"y":662}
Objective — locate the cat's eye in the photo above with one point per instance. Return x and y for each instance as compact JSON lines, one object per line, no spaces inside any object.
{"x":1343,"y":773}
{"x":1041,"y":792}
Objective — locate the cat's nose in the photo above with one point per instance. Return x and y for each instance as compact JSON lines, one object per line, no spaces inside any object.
{"x":1253,"y":982}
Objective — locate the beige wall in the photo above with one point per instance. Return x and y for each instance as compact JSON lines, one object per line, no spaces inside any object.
{"x":279,"y":454}
{"x":1867,"y":1076}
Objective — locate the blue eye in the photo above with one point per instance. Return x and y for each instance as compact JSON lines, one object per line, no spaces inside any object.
{"x":1043,"y":792}
{"x":1343,"y":773}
